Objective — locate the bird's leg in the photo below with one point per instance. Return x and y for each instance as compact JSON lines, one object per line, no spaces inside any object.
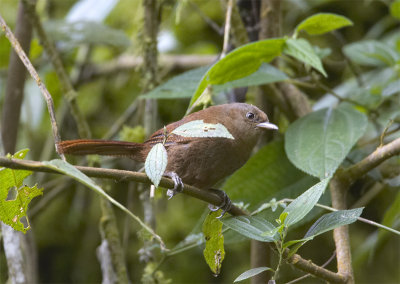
{"x":178,"y":184}
{"x":226,"y":204}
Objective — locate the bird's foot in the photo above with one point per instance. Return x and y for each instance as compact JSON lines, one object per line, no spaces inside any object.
{"x":178,"y":184}
{"x":226,"y":204}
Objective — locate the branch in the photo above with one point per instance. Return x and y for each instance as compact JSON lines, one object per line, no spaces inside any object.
{"x":128,"y":63}
{"x":308,"y":266}
{"x":68,"y":89}
{"x":49,"y":100}
{"x":122,"y":175}
{"x":381,"y":154}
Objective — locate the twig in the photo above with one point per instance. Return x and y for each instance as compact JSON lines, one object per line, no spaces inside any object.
{"x":66,"y":84}
{"x":122,"y":175}
{"x":206,"y":19}
{"x":308,"y":275}
{"x":49,"y":100}
{"x":227,"y":29}
{"x":315,"y":270}
{"x":371,"y":161}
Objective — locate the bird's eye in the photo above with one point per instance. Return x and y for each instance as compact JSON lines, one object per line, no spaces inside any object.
{"x":250,"y":115}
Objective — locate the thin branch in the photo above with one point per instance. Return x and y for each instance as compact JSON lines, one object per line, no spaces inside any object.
{"x":227,"y":29}
{"x":126,"y":63}
{"x":308,"y":275}
{"x":66,"y":84}
{"x":122,"y":175}
{"x":307,"y":265}
{"x":49,"y":100}
{"x":370,"y":162}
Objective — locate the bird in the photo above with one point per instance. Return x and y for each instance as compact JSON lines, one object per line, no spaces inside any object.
{"x":196,"y":161}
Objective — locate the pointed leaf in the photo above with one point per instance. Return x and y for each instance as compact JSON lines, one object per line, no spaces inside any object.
{"x":240,"y":63}
{"x":322,"y":23}
{"x":156,"y":163}
{"x":184,"y":85}
{"x":333,"y":220}
{"x":198,"y":128}
{"x":304,"y":203}
{"x":319,"y":142}
{"x":214,"y":251}
{"x":252,"y":227}
{"x":302,"y":50}
{"x":251,"y":273}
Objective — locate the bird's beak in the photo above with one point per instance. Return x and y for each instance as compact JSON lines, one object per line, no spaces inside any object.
{"x":267,"y":125}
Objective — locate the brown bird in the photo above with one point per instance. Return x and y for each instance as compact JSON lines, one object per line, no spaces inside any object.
{"x":197,"y":161}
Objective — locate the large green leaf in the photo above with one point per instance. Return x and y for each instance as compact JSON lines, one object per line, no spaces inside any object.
{"x":252,"y":227}
{"x":371,"y":53}
{"x":302,"y":50}
{"x":322,"y":23}
{"x":264,"y":176}
{"x":181,"y":86}
{"x":303,"y":204}
{"x":319,"y":142}
{"x":184,"y":85}
{"x":240,"y":63}
{"x":333,"y":220}
{"x":76,"y":33}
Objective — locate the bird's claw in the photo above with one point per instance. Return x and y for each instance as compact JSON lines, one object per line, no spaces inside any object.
{"x":225,"y":206}
{"x":178,"y":184}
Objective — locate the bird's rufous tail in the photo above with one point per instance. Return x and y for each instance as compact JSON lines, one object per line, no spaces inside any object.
{"x":100,"y":147}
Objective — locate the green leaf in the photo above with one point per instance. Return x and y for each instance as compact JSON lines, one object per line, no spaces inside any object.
{"x":239,"y":63}
{"x":266,"y":74}
{"x":303,"y":204}
{"x":76,"y":33}
{"x":319,"y":142}
{"x":322,"y":23}
{"x":156,"y":163}
{"x":69,"y":170}
{"x":184,"y":85}
{"x":302,"y":50}
{"x":198,"y":128}
{"x":214,"y":251}
{"x":179,"y":87}
{"x":15,"y":196}
{"x":251,"y":273}
{"x":371,"y":53}
{"x":252,"y":227}
{"x":333,"y":220}
{"x":266,"y":174}
{"x":395,"y":9}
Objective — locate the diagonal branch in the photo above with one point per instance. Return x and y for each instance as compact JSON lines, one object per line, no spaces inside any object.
{"x":24,"y":58}
{"x":122,"y":175}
